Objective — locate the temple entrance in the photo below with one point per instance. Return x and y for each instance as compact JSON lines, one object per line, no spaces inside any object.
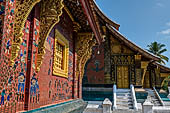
{"x":122,"y":77}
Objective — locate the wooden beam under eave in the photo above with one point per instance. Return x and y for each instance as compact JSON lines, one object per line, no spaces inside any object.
{"x":164,"y":74}
{"x":88,"y":11}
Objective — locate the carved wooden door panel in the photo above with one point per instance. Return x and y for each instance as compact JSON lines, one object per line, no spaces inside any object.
{"x":122,"y":77}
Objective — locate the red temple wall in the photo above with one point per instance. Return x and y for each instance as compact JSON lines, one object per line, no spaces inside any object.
{"x":49,"y":88}
{"x":53,"y":88}
{"x":94,"y":69}
{"x":11,"y":93}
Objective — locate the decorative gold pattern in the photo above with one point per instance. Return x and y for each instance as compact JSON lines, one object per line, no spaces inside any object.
{"x":69,"y":13}
{"x":23,"y":9}
{"x":76,"y":26}
{"x":122,"y":77}
{"x":138,"y":77}
{"x":164,"y":74}
{"x":138,"y":57}
{"x":144,"y":66}
{"x":49,"y":16}
{"x":84,"y":44}
{"x":61,"y":51}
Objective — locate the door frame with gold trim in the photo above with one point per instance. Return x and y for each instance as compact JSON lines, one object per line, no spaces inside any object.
{"x":123,"y":60}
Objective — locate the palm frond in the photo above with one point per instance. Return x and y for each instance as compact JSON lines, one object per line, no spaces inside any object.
{"x":162,"y":51}
{"x":164,"y":58}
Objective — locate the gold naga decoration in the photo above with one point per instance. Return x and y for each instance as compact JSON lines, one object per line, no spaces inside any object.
{"x":49,"y":17}
{"x":22,"y":10}
{"x":84,"y":44}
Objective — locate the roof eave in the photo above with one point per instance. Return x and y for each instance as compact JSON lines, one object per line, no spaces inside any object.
{"x":88,"y":11}
{"x":133,"y":46}
{"x":104,"y":17}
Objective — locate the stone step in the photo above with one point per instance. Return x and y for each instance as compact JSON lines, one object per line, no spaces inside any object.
{"x":120,"y":97}
{"x":124,"y":107}
{"x":125,"y":103}
{"x":123,"y":90}
{"x":126,"y":111}
{"x":154,"y":98}
{"x":123,"y":94}
{"x":167,"y":103}
{"x":157,"y":105}
{"x":124,"y":100}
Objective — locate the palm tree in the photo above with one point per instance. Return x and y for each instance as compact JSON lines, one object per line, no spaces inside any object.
{"x":157,"y":49}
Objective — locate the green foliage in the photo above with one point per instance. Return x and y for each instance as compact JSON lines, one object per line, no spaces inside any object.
{"x":165,"y":84}
{"x":158,"y":49}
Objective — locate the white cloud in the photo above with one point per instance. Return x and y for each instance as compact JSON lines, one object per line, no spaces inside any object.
{"x":159,"y":4}
{"x":165,"y":32}
{"x":168,"y":23}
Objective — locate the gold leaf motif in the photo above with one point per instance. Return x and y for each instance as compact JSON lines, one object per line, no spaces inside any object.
{"x":84,"y":44}
{"x":51,"y":11}
{"x":22,"y":10}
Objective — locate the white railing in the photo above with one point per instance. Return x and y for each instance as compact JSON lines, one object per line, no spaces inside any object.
{"x":159,"y":98}
{"x":133,"y":97}
{"x":114,"y":97}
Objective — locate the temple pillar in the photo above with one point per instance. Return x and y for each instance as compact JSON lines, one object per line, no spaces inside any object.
{"x":107,"y":62}
{"x":157,"y":72}
{"x":138,"y":70}
{"x":152,"y":75}
{"x":83,"y":48}
{"x":144,"y":65}
{"x":76,"y":27}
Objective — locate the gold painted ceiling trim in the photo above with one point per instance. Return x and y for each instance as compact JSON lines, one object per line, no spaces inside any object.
{"x":164,"y":74}
{"x":69,"y":13}
{"x":22,"y":10}
{"x":84,"y":44}
{"x":51,"y":11}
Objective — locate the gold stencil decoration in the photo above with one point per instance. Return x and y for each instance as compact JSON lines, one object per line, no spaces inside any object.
{"x":84,"y":44}
{"x":22,"y":10}
{"x":51,"y":10}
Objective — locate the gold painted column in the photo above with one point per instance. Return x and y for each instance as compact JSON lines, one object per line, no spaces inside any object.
{"x":84,"y":44}
{"x":138,"y":70}
{"x":83,"y":49}
{"x":76,"y":28}
{"x":108,"y":67}
{"x":158,"y":81}
{"x":144,"y":65}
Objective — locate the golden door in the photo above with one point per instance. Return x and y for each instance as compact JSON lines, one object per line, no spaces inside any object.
{"x":122,"y":77}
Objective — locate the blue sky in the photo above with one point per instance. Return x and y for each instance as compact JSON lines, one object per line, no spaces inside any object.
{"x":141,"y":21}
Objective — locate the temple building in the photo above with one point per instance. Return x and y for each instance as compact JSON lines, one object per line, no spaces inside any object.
{"x":45,"y":45}
{"x":55,"y":53}
{"x":119,"y":64}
